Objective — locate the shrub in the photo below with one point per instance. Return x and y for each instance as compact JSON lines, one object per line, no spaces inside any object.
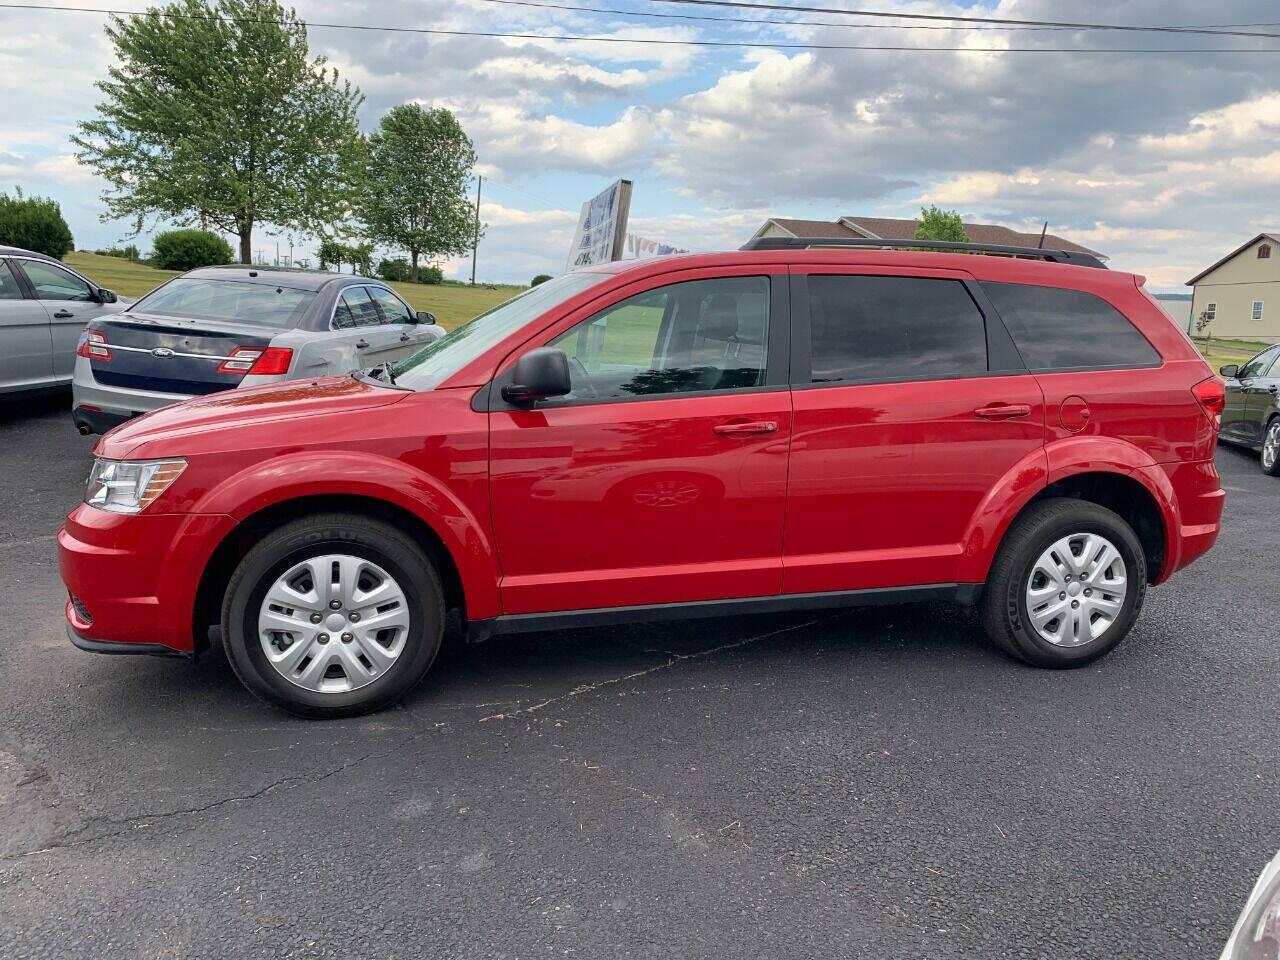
{"x":188,"y":249}
{"x":394,"y":270}
{"x":540,"y":278}
{"x":430,"y":275}
{"x":34,"y":223}
{"x":123,"y":253}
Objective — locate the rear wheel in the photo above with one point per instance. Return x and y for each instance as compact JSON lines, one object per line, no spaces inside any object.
{"x":1066,"y":585}
{"x":1271,"y":449}
{"x":333,"y":615}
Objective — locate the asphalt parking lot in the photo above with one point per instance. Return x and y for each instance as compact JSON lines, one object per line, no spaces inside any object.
{"x":872,"y":783}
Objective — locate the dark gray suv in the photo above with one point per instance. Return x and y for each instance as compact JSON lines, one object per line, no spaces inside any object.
{"x":1252,"y":414}
{"x":218,"y":328}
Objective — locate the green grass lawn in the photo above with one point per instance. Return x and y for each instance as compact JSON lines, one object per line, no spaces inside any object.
{"x":1220,"y":352}
{"x":451,"y":303}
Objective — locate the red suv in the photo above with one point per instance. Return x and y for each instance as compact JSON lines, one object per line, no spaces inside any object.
{"x":795,"y":425}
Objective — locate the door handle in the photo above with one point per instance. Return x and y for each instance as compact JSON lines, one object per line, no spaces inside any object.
{"x":1003,"y":411}
{"x":361,"y":344}
{"x":745,"y":429}
{"x":405,"y":338}
{"x":64,"y":315}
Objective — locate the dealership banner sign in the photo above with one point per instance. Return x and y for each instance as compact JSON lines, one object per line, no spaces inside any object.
{"x":602,"y":227}
{"x":638,"y":248}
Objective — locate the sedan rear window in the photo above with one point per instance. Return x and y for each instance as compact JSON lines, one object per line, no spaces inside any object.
{"x":234,"y":300}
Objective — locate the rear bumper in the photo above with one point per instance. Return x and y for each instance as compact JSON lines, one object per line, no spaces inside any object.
{"x":100,"y":407}
{"x":133,"y":579}
{"x":1193,"y":518}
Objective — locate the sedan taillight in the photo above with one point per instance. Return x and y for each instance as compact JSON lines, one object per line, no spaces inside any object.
{"x":93,"y":345}
{"x":271,"y":361}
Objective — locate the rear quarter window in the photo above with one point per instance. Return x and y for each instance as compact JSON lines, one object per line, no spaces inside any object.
{"x":1057,"y":329}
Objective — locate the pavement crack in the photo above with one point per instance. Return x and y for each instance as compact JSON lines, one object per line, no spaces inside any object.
{"x":141,"y":821}
{"x":672,"y":660}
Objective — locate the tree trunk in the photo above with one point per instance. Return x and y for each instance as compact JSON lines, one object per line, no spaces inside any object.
{"x":246,"y":244}
{"x":413,"y":269}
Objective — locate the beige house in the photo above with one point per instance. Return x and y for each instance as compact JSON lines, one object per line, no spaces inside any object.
{"x":1241,"y":292}
{"x":888,"y":228}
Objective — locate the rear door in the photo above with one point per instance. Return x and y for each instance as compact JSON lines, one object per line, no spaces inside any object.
{"x":355,"y":339}
{"x":25,"y":346}
{"x":910,"y":406}
{"x":69,"y":302}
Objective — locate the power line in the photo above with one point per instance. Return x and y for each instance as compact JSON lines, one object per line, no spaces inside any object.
{"x":1216,"y":28}
{"x":655,"y":41}
{"x":952,"y":18}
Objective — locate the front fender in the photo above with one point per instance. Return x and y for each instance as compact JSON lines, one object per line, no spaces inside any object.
{"x":288,"y":477}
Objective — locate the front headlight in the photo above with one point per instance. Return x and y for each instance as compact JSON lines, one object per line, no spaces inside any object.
{"x":124,"y":486}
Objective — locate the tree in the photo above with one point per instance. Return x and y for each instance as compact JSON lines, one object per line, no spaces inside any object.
{"x":415,"y":192}
{"x":213,"y":114}
{"x":34,"y":223}
{"x":540,"y":279}
{"x":188,"y":249}
{"x":943,"y":225}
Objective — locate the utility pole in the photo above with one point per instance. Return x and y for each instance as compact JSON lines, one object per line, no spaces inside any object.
{"x":475,"y":242}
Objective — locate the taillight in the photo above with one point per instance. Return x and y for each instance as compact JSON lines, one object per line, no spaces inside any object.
{"x":1212,"y":395}
{"x":271,"y":361}
{"x":93,"y":345}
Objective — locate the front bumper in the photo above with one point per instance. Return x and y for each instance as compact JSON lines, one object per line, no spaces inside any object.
{"x":115,"y":647}
{"x":135,"y":577}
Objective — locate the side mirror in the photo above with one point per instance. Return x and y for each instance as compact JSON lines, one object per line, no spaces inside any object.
{"x":106,"y":296}
{"x":1230,"y":371}
{"x":423,"y":316}
{"x":539,"y":374}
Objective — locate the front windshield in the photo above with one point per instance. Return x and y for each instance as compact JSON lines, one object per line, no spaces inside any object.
{"x":438,"y":361}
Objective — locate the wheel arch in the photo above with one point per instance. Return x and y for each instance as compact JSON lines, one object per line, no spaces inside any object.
{"x":1104,"y":470}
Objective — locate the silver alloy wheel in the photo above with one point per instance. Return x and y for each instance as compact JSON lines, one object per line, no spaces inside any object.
{"x":1076,"y":589}
{"x":1271,"y":445}
{"x":333,"y":623}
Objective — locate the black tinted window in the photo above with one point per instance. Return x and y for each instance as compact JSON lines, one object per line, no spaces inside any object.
{"x":894,"y":328}
{"x":1057,"y":329}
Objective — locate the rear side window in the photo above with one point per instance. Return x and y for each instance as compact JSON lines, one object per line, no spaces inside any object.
{"x":9,"y":289}
{"x":355,"y":308}
{"x":878,"y":329}
{"x":1056,"y":329}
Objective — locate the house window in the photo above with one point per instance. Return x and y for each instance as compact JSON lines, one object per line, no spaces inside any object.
{"x":1264,"y":251}
{"x":1257,"y":310}
{"x":1211,"y":312}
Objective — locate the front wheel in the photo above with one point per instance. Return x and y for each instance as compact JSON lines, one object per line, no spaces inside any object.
{"x":1066,"y":585}
{"x":1271,"y":449}
{"x":333,"y":615}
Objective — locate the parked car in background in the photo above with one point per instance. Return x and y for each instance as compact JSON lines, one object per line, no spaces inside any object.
{"x":219,"y":328}
{"x":1251,"y":417}
{"x":44,"y":306}
{"x":769,"y":429}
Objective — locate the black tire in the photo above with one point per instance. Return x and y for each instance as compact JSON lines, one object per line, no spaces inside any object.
{"x":1004,"y":612}
{"x":1274,"y":469}
{"x":378,"y":542}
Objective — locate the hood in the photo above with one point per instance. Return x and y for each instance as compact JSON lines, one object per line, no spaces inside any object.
{"x":289,"y":400}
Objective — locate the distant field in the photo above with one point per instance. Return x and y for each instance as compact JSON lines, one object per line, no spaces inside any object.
{"x":451,"y":303}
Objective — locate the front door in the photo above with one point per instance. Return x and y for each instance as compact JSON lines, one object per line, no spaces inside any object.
{"x":1258,"y":383}
{"x":69,"y":302}
{"x":401,"y":333}
{"x":910,"y":407}
{"x":25,"y":346}
{"x":661,"y":478}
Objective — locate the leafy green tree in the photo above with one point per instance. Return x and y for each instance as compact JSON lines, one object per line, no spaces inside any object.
{"x":944,"y":225}
{"x":414,"y":196}
{"x":331,"y":253}
{"x":540,"y":278}
{"x":34,"y":223}
{"x":213,"y":113}
{"x":394,"y":270}
{"x":188,"y":249}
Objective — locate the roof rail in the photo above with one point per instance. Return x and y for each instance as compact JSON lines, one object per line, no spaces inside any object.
{"x":942,"y":246}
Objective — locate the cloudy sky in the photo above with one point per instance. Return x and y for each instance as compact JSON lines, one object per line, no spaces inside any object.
{"x":1164,"y":161}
